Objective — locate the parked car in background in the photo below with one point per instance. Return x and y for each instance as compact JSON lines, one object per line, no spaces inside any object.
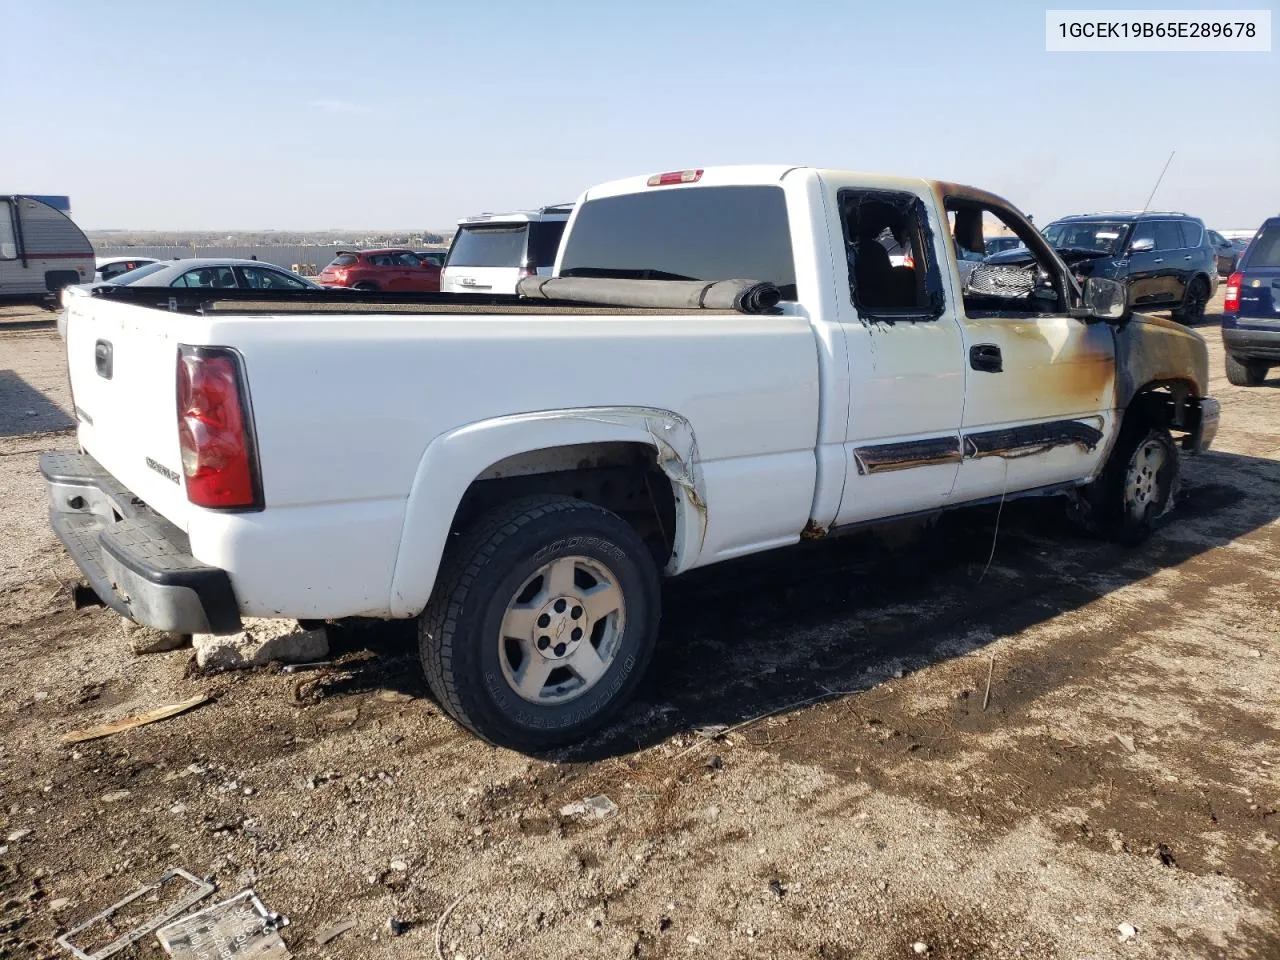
{"x":1165,"y":258}
{"x":1000,"y":244}
{"x":41,"y":249}
{"x":436,"y":257}
{"x":491,"y":253}
{"x":1251,"y":310}
{"x":212,"y":273}
{"x":393,"y":271}
{"x":1225,"y":253}
{"x":108,"y":268}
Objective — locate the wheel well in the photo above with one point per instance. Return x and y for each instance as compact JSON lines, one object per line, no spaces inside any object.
{"x":1170,"y":404}
{"x":619,"y":476}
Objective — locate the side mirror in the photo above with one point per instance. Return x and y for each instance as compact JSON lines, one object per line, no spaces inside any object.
{"x":1106,"y":299}
{"x":1142,"y":245}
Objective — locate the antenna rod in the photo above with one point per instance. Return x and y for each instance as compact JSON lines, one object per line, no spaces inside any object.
{"x":1158,"y":179}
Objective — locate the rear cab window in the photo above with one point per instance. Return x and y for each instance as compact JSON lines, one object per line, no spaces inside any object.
{"x":489,"y":245}
{"x":688,"y":233}
{"x":1264,"y":251}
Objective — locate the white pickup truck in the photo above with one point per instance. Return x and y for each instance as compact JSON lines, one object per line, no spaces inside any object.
{"x":517,"y":473}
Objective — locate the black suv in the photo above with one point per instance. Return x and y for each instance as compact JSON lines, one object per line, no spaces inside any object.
{"x":1167,"y":259}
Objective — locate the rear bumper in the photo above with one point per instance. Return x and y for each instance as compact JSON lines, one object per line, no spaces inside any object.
{"x":138,"y":563}
{"x":1252,"y":344}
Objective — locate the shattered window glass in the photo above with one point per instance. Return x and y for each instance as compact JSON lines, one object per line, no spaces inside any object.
{"x":892,"y":274}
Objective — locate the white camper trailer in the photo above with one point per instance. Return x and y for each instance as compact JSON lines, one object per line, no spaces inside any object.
{"x":41,"y":249}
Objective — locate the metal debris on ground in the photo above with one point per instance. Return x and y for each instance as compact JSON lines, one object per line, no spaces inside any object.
{"x":80,"y":941}
{"x":238,"y":927}
{"x":128,"y":723}
{"x":333,"y":932}
{"x":1126,"y":741}
{"x":592,"y":808}
{"x":299,"y":667}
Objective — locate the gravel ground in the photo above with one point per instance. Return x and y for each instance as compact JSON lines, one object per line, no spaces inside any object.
{"x":1122,"y":779}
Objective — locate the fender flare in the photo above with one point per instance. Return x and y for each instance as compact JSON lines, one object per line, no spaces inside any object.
{"x":453,"y":461}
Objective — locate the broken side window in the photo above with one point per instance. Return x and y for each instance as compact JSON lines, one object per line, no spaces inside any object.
{"x":893,"y":269}
{"x":1016,"y":283}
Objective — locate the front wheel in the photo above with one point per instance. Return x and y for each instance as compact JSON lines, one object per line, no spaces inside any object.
{"x":1136,"y":487}
{"x":1246,"y":373}
{"x":543,"y":620}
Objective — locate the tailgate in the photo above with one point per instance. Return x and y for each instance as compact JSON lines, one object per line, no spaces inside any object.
{"x":122,"y":361}
{"x":1260,"y":296}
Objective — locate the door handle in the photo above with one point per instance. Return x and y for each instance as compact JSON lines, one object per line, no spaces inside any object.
{"x":102,"y":360}
{"x":1186,"y":258}
{"x":1158,"y":260}
{"x":986,"y":357}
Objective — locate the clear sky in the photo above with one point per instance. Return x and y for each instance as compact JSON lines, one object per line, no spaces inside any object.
{"x":253,"y":114}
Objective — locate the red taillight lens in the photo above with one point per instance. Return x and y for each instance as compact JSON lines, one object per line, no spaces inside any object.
{"x":214,"y":430}
{"x":1231,"y":302}
{"x":674,"y":177}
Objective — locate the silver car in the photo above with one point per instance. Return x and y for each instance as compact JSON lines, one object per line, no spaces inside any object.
{"x":200,"y":273}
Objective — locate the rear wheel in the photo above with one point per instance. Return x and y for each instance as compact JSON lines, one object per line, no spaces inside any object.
{"x":1192,"y":309}
{"x":1246,"y":373}
{"x":1136,"y":487}
{"x":542,"y":622}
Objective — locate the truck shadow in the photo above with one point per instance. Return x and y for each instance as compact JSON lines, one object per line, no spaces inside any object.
{"x":757,"y":635}
{"x":748,"y":637}
{"x":24,"y":409}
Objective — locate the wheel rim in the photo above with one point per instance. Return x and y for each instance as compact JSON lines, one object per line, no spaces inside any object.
{"x":561,"y":630}
{"x":1144,"y":484}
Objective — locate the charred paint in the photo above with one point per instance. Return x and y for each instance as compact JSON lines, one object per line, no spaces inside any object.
{"x":885,"y":457}
{"x":1033,"y":438}
{"x":1152,"y":351}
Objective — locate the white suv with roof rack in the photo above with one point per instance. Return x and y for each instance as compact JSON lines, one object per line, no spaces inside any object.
{"x":493,"y":252}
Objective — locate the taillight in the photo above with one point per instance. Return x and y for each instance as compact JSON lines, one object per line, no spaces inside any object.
{"x":215,"y":430}
{"x":1231,"y":304}
{"x":340,"y":275}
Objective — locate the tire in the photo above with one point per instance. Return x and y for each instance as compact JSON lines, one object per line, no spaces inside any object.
{"x":573,"y":678}
{"x":1137,"y":486}
{"x":365,"y":287}
{"x":1193,"y":304}
{"x":1246,"y":373}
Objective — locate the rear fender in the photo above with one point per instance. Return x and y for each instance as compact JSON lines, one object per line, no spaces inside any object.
{"x":454,"y":460}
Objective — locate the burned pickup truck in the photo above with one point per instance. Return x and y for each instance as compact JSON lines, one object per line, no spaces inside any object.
{"x":519,"y":472}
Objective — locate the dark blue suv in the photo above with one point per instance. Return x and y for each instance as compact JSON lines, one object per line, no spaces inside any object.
{"x":1251,"y":310}
{"x":1166,"y":259}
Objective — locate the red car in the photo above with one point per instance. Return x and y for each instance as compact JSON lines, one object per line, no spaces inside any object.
{"x":386,"y":270}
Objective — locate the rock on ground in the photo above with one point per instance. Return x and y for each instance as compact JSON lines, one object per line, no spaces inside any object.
{"x":146,"y":640}
{"x":261,"y":642}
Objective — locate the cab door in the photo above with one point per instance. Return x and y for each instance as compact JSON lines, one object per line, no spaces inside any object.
{"x":1039,"y":383}
{"x":904,"y":344}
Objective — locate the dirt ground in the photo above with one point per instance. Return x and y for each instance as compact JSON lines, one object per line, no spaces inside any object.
{"x":1125,"y":771}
